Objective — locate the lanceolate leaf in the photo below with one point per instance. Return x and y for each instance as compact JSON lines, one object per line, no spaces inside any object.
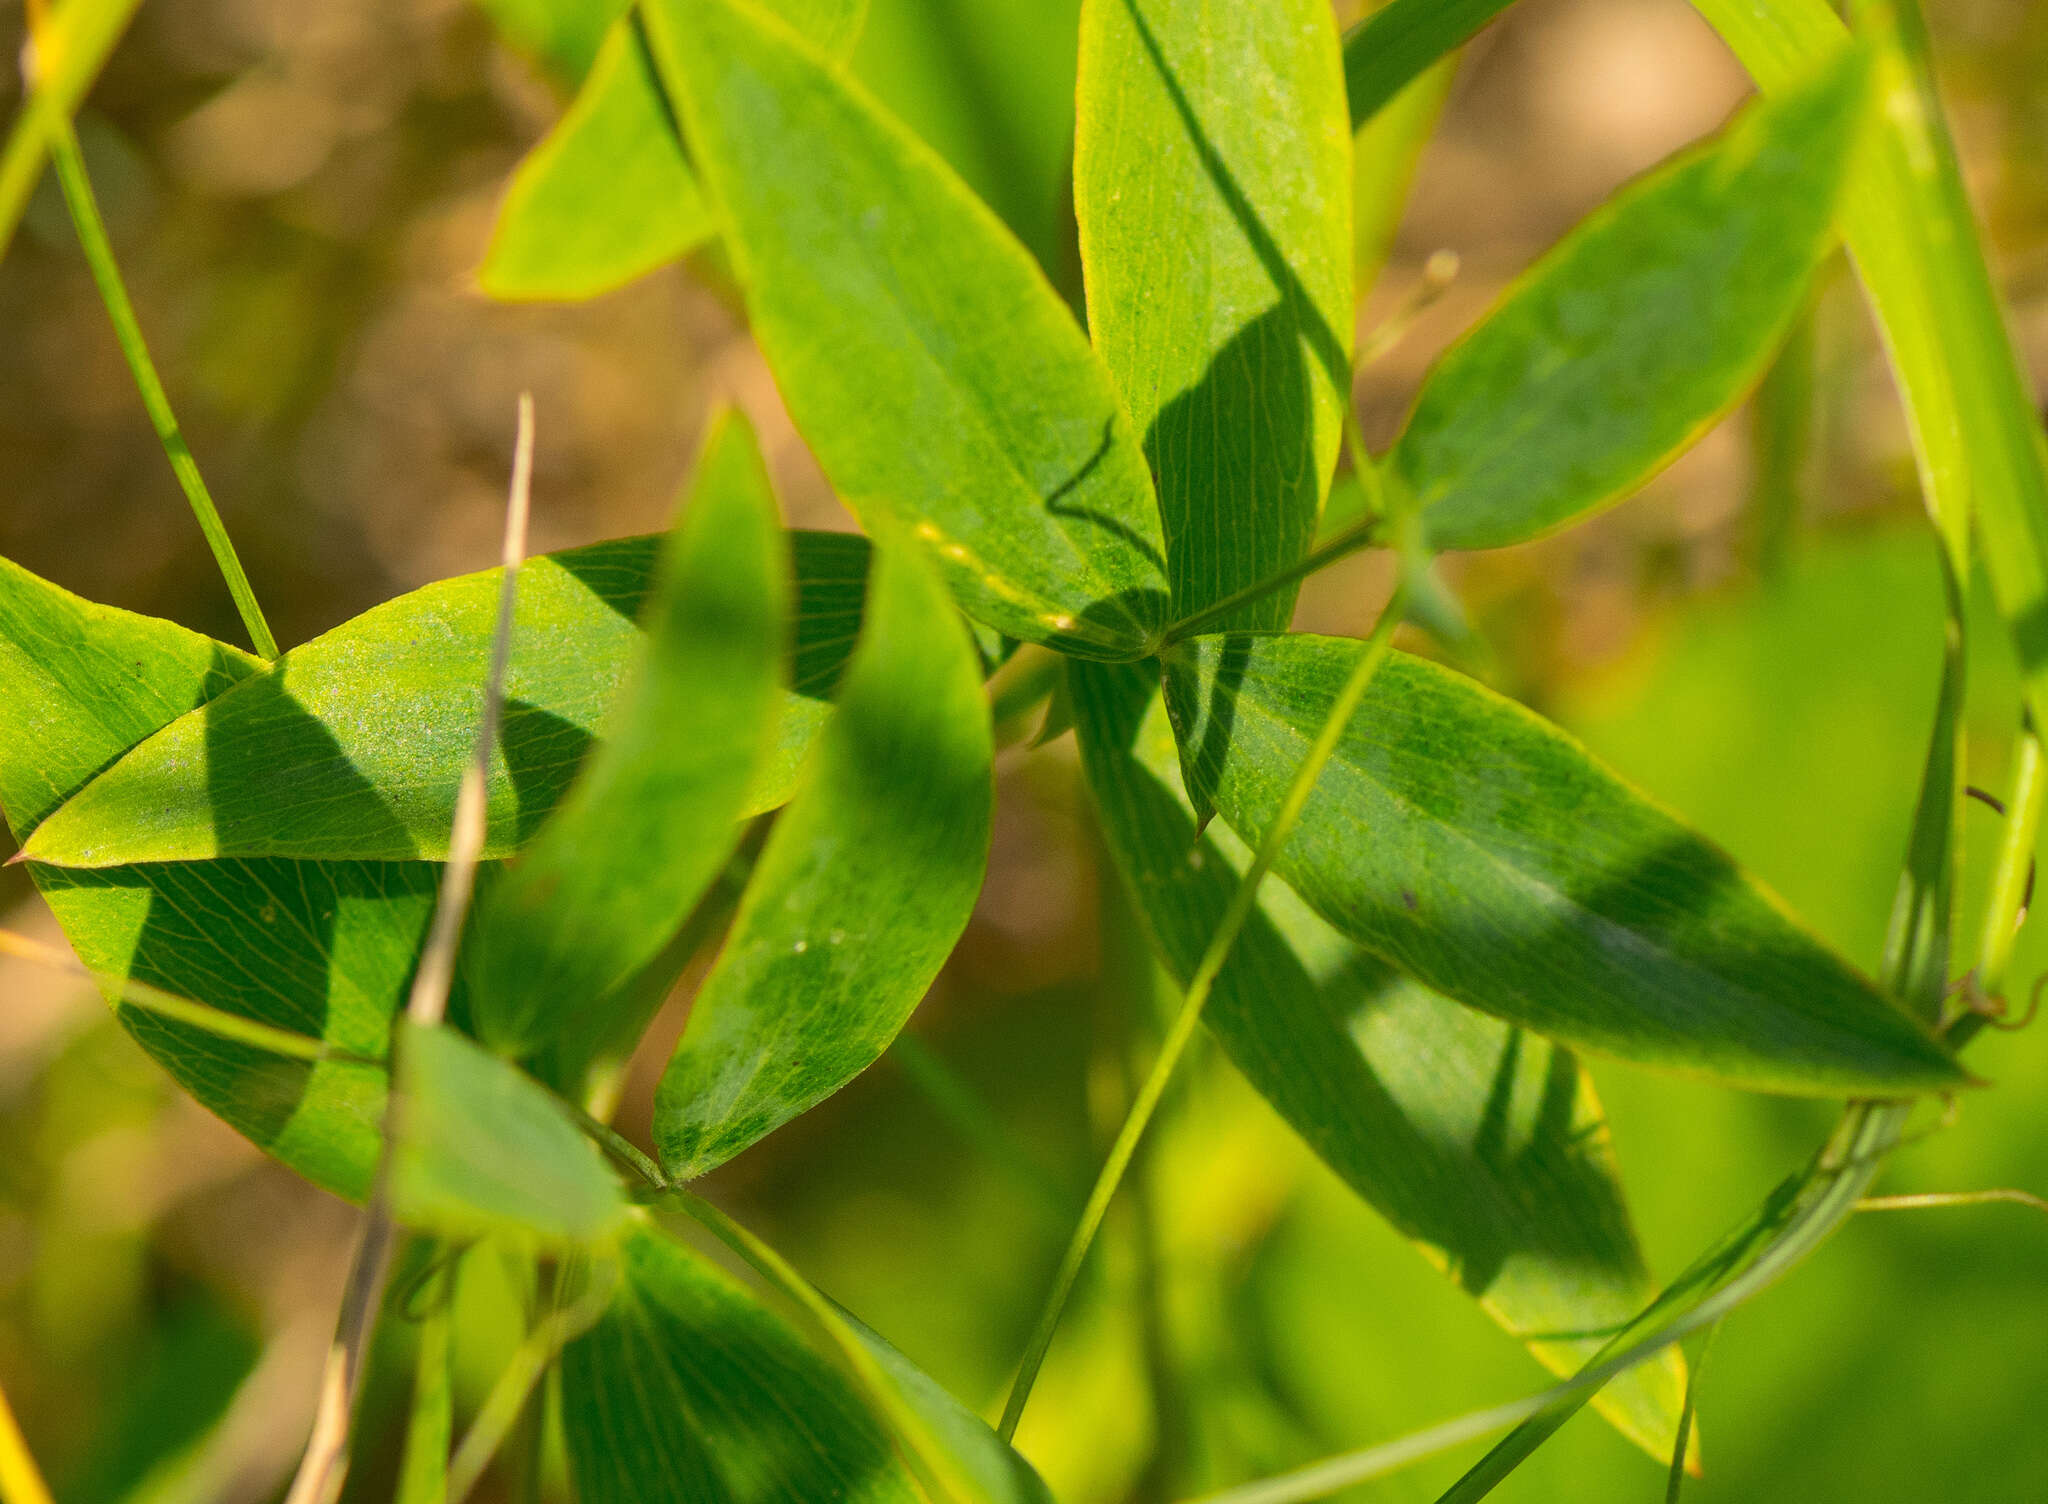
{"x":864,"y":886}
{"x":689,"y":1391}
{"x":1629,"y":339}
{"x":1481,"y":1143}
{"x":1400,"y":41}
{"x":481,"y":1150}
{"x":352,"y":745}
{"x":655,"y":810}
{"x":610,"y":194}
{"x":940,"y":380}
{"x":1484,"y":852}
{"x":321,"y":948}
{"x":1212,"y":185}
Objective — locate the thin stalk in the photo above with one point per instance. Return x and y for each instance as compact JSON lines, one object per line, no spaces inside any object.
{"x":215,"y":1021}
{"x":65,"y":54}
{"x":1674,"y":1482}
{"x":2012,"y":878}
{"x":1927,"y":1199}
{"x":324,"y":1466}
{"x":1372,"y":653}
{"x":106,"y":274}
{"x":1362,"y":534}
{"x":21,"y":1481}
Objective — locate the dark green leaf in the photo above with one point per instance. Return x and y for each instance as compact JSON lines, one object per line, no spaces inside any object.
{"x":861,"y":892}
{"x":654,"y":813}
{"x":1481,"y":1143}
{"x":481,"y":1150}
{"x":943,"y":385}
{"x":609,"y":195}
{"x":1398,"y":43}
{"x":1479,"y":848}
{"x":323,"y":949}
{"x":1633,"y":336}
{"x":689,"y":1391}
{"x":1212,"y":184}
{"x":352,"y":745}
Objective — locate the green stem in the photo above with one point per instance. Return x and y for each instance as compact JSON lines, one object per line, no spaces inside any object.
{"x":1675,"y":1482}
{"x":1372,"y":654}
{"x":1361,"y":535}
{"x":68,"y":52}
{"x":21,"y":1481}
{"x":2013,"y":875}
{"x":106,"y":273}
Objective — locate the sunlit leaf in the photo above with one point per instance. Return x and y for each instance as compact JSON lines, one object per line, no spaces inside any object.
{"x":654,"y":813}
{"x":1626,"y":342}
{"x":689,"y":1391}
{"x":939,"y":379}
{"x":1212,"y":183}
{"x":862,"y":890}
{"x":352,"y":745}
{"x":1480,"y":849}
{"x":481,"y":1150}
{"x":610,"y":195}
{"x":1482,"y":1144}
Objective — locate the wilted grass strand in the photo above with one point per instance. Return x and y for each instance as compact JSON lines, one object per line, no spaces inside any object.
{"x":106,"y":275}
{"x":1372,"y":653}
{"x":324,"y":1467}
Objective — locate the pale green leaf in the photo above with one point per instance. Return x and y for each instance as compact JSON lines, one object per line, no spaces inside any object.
{"x":1482,"y":1144}
{"x":654,"y":812}
{"x":1484,"y":852}
{"x":1636,"y":333}
{"x":941,"y":382}
{"x":481,"y":1150}
{"x":351,"y":746}
{"x":1212,"y":185}
{"x":864,"y":886}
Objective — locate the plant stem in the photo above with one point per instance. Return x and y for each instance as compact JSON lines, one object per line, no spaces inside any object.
{"x":2012,"y":879}
{"x":1361,"y":535}
{"x":64,"y":56}
{"x":1372,"y":653}
{"x":1675,"y":1482}
{"x":21,"y":1481}
{"x":106,"y":274}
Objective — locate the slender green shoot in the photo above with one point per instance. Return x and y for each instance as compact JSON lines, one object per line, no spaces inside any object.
{"x":1372,"y":653}
{"x":1926,"y":1199}
{"x":423,"y":1465}
{"x":2012,"y":878}
{"x":21,"y":1481}
{"x":1674,"y":1482}
{"x":65,"y":55}
{"x":215,"y":1021}
{"x":106,"y":275}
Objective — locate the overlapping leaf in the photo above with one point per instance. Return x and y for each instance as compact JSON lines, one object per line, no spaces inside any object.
{"x":351,"y":746}
{"x":941,"y":382}
{"x":1484,"y":852}
{"x":1635,"y":334}
{"x":323,"y":949}
{"x":864,"y":886}
{"x":481,"y":1150}
{"x":1212,"y":186}
{"x":689,"y":1390}
{"x":1481,"y":1143}
{"x":610,"y":195}
{"x":654,"y":813}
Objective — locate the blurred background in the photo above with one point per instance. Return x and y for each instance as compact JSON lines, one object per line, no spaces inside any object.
{"x":300,"y":195}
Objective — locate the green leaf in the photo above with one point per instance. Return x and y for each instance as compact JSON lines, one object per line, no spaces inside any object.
{"x":864,"y":886}
{"x":430,"y":1425}
{"x":654,"y":813}
{"x":324,"y":949}
{"x":563,"y":36}
{"x":1632,"y":337}
{"x":939,"y":379}
{"x":689,"y":1390}
{"x":1212,"y":185}
{"x":1484,"y":852}
{"x":1482,"y":1144}
{"x":607,"y":196}
{"x":352,"y":745}
{"x":1907,"y":220}
{"x":610,"y":195}
{"x":481,"y":1150}
{"x":1398,"y":43}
